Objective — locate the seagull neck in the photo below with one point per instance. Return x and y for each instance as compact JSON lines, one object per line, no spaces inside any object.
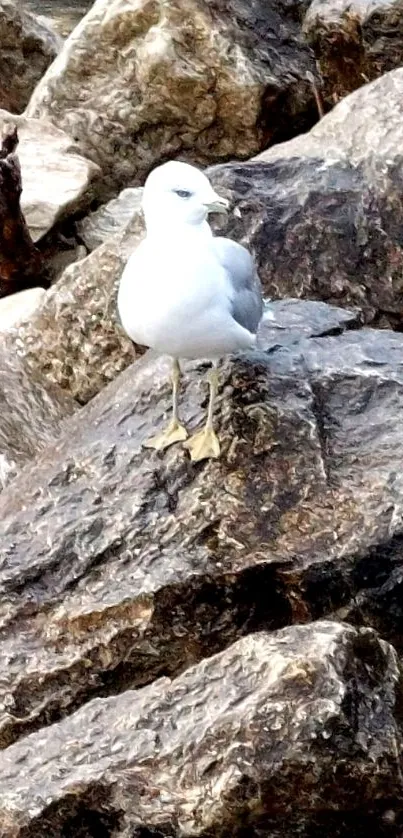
{"x":177,"y":230}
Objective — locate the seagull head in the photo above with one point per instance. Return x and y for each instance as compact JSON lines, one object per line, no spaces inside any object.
{"x":179,"y":194}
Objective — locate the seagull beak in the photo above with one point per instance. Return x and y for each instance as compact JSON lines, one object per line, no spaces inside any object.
{"x":217,"y":204}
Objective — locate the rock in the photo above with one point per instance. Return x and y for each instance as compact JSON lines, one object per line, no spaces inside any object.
{"x":21,"y":264}
{"x":31,"y":412}
{"x":125,"y":565}
{"x":74,"y":338}
{"x":28,"y":47}
{"x":292,"y":730}
{"x":137,"y":84}
{"x":323,"y":212}
{"x":57,"y":181}
{"x":110,"y":218}
{"x":19,"y":307}
{"x":355,"y":41}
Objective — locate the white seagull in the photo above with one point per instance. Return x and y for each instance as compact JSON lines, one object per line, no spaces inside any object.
{"x":186,"y":293}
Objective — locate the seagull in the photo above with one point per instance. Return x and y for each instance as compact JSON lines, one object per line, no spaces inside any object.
{"x":187,"y":293}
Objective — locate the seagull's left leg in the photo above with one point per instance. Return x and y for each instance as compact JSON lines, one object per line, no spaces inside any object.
{"x":175,"y":432}
{"x":204,"y":444}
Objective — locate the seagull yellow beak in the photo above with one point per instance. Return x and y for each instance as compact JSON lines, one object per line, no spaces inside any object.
{"x":217,"y":204}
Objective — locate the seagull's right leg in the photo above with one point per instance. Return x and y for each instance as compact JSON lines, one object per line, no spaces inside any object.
{"x":175,"y":432}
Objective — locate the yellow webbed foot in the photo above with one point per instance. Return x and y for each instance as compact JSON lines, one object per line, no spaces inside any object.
{"x":175,"y":432}
{"x":203,"y":445}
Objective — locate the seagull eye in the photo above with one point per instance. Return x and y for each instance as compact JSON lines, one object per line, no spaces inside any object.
{"x":182,"y":193}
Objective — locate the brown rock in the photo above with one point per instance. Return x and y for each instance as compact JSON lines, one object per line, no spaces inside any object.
{"x":355,"y":41}
{"x":140,"y":82}
{"x":74,"y":337}
{"x":27,"y":48}
{"x":31,"y":412}
{"x":324,"y":212}
{"x":124,"y":565}
{"x":284,"y":732}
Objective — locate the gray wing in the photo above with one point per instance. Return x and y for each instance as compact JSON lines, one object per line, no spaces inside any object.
{"x":247,"y":303}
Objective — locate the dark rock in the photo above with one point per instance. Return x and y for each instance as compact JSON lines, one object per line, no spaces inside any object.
{"x":324,"y":212}
{"x":31,"y":412}
{"x":279,"y":734}
{"x":28,"y":46}
{"x":355,"y":41}
{"x":125,"y":565}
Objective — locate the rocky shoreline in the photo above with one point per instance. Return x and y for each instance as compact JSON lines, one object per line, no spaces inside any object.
{"x":208,"y":649}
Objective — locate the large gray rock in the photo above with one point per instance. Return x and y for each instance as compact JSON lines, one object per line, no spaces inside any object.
{"x":135,"y":84}
{"x":282,"y":732}
{"x":111,"y":218}
{"x":31,"y":413}
{"x":355,"y":41}
{"x":74,"y":337}
{"x":125,"y":564}
{"x":323,"y":212}
{"x":27,"y":47}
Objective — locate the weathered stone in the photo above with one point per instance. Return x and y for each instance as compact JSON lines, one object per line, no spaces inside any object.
{"x":125,"y":565}
{"x":289,"y":730}
{"x":110,"y":218}
{"x":19,"y":307}
{"x":324,"y":212}
{"x":56,"y":179}
{"x":142,"y":81}
{"x":74,"y":338}
{"x":27,"y":47}
{"x":355,"y":41}
{"x":31,"y":412}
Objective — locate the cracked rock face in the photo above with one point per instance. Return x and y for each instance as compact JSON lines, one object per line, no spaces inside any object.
{"x":354,"y":41}
{"x":323,"y":213}
{"x":277,"y":730}
{"x":28,"y":47}
{"x":145,"y":81}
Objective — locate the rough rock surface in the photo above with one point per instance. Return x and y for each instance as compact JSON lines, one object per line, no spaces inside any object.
{"x":279,"y":730}
{"x":144,"y":81}
{"x":31,"y":412}
{"x":28,"y":46}
{"x":125,"y":565}
{"x":57,"y":180}
{"x":324,"y":212}
{"x":74,"y":338}
{"x":19,"y":307}
{"x":355,"y":41}
{"x":110,"y":218}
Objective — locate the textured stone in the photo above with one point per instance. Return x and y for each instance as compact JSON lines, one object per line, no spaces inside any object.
{"x":124,"y":564}
{"x":27,"y":47}
{"x":355,"y":41}
{"x":142,"y":81}
{"x":110,"y":218}
{"x":324,"y":212}
{"x":277,"y":731}
{"x":74,"y":337}
{"x":56,"y":179}
{"x":31,"y":412}
{"x":18,"y":307}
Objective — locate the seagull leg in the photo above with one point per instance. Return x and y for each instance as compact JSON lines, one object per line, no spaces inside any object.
{"x":204,"y":444}
{"x":175,"y":432}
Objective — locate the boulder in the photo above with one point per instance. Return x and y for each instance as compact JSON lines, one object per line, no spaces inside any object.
{"x":28,"y":47}
{"x":57,"y":180}
{"x":283,"y":733}
{"x":31,"y":412}
{"x":110,"y":218}
{"x":355,"y":41}
{"x":74,"y":337}
{"x":138,"y":83}
{"x":124,"y":565}
{"x":19,"y":307}
{"x":323,"y":213}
